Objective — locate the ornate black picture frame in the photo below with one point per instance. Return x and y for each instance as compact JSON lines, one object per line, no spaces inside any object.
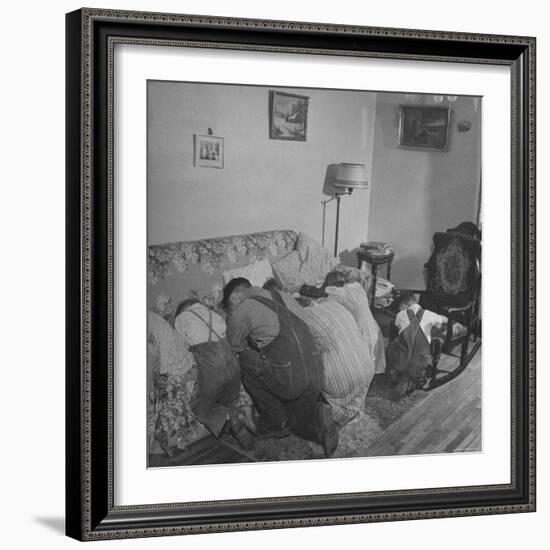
{"x":90,"y":509}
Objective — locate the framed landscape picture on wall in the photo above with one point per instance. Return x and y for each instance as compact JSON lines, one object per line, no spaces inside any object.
{"x":287,"y":116}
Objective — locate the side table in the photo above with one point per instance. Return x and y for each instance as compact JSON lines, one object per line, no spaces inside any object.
{"x":375,"y":260}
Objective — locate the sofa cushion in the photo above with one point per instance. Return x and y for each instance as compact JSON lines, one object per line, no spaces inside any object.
{"x":289,"y":272}
{"x":257,"y":272}
{"x":319,"y":261}
{"x":308,"y":264}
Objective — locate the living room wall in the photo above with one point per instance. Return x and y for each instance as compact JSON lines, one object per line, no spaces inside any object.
{"x":265,"y":184}
{"x":416,"y":193}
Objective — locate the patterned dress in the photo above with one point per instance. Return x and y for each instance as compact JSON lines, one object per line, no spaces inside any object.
{"x":348,"y":362}
{"x":164,"y":341}
{"x":354,"y":298}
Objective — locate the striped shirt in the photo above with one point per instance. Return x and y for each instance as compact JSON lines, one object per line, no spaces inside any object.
{"x":348,"y":361}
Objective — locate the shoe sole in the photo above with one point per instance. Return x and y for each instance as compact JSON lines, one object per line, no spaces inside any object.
{"x":285,"y":432}
{"x":245,"y":439}
{"x":329,"y":432}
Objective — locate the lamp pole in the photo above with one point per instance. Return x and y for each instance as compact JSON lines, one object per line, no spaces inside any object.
{"x":337,"y":225}
{"x":338,"y":196}
{"x":348,"y":177}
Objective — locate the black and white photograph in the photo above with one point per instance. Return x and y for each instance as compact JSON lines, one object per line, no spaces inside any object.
{"x":315,"y":300}
{"x":270,"y":275}
{"x":209,"y":151}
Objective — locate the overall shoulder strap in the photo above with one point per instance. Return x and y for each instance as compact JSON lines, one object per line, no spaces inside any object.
{"x":280,"y":304}
{"x":208,"y":324}
{"x":410,"y":332}
{"x":278,"y":298}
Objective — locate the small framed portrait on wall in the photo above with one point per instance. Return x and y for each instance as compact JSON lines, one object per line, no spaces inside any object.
{"x":208,"y":151}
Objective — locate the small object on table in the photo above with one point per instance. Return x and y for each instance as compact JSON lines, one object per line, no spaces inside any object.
{"x":376,"y":256}
{"x":376,"y":246}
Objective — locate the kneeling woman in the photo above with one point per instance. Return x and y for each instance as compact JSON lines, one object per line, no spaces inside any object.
{"x":348,"y":361}
{"x":354,"y":298}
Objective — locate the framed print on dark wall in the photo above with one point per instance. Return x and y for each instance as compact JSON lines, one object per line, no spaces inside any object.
{"x":198,"y":401}
{"x":424,"y":127}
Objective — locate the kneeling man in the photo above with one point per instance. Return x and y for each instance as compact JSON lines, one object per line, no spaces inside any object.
{"x":280,"y":367}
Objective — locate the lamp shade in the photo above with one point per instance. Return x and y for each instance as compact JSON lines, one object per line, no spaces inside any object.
{"x":351,"y":176}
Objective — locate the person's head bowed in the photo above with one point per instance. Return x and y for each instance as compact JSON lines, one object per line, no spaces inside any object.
{"x":234,"y":292}
{"x":334,"y":278}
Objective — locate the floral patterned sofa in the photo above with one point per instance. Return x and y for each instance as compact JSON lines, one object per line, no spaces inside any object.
{"x":181,"y":270}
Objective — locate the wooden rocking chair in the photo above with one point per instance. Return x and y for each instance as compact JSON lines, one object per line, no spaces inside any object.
{"x":453,"y":289}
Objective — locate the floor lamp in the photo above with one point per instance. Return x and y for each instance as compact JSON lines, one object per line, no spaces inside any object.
{"x":349,"y":176}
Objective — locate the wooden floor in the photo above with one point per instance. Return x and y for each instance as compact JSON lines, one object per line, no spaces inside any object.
{"x":448,"y":420}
